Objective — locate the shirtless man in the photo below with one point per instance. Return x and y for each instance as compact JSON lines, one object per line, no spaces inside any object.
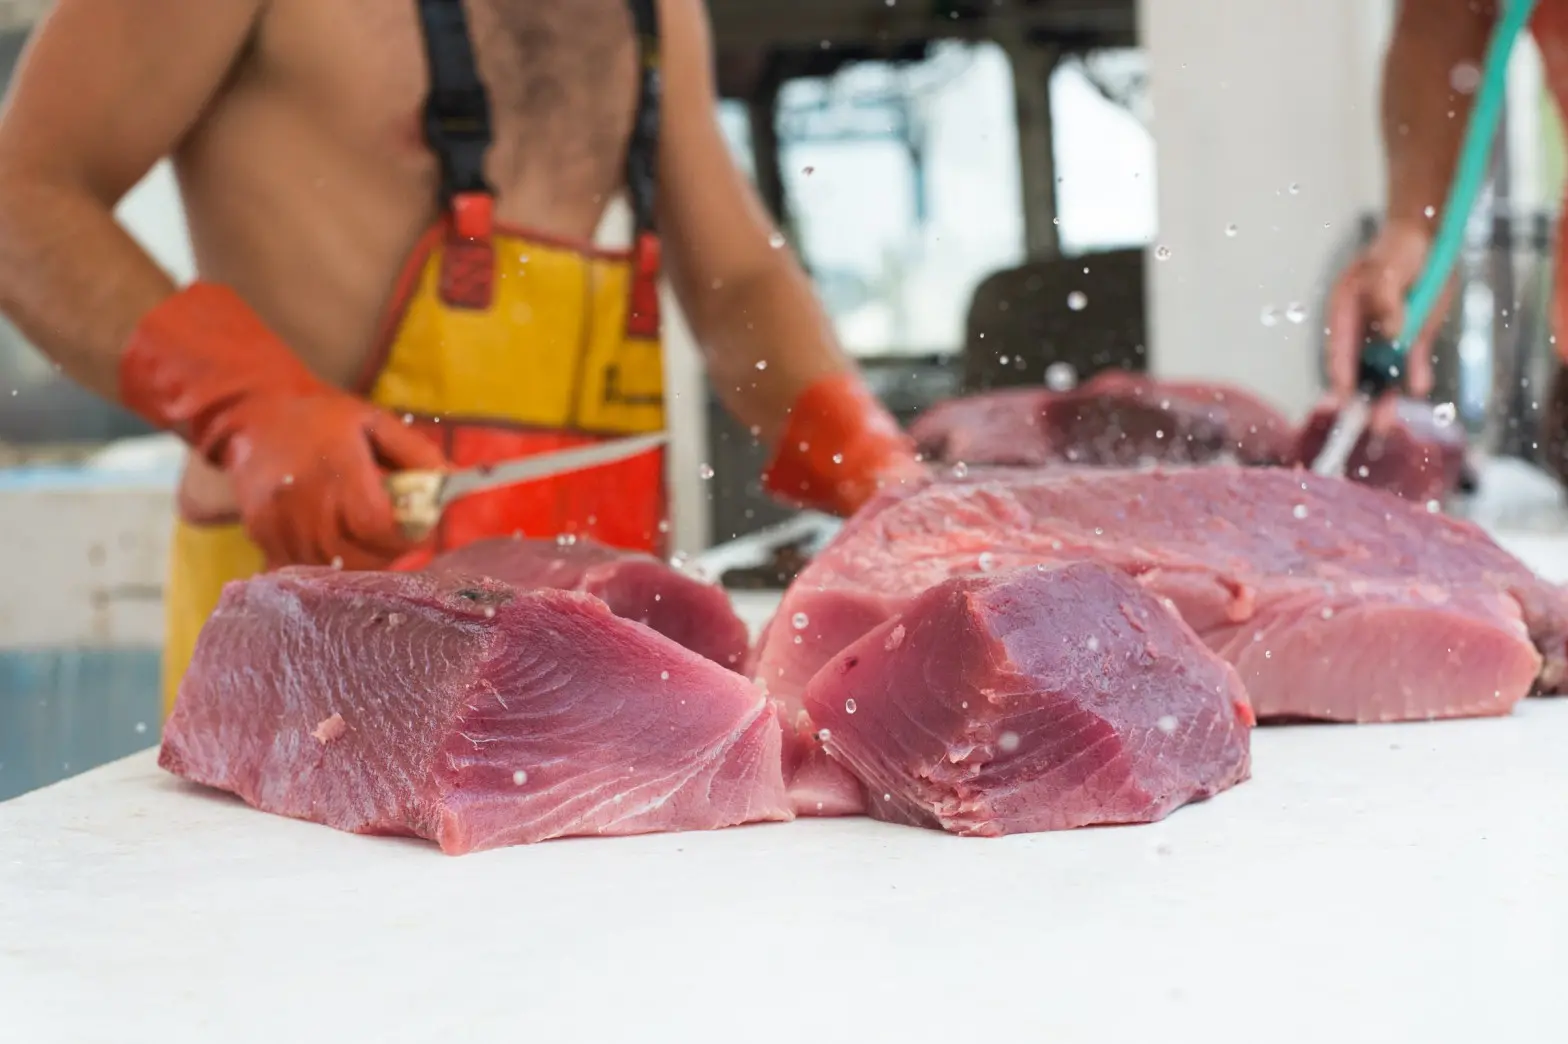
{"x":390,"y":203}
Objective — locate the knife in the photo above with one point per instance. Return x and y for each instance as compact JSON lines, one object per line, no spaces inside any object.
{"x":1382,"y":368}
{"x":419,"y":497}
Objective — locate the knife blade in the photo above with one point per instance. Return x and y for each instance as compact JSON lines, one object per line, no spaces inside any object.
{"x":419,"y":497}
{"x":1349,"y":425}
{"x":1382,"y":368}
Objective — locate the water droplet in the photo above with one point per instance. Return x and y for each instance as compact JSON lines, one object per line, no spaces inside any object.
{"x":1464,"y":78}
{"x":1362,"y":471}
{"x":1295,"y":312}
{"x":1061,"y":377}
{"x":1300,"y":511}
{"x":1008,"y":742}
{"x":799,"y":620}
{"x":838,"y":458}
{"x":1444,"y":413}
{"x":519,"y":777}
{"x":762,"y":364}
{"x":1166,"y":724}
{"x":823,"y":735}
{"x":705,"y":472}
{"x":1230,"y":231}
{"x":1092,"y":643}
{"x":1162,"y":252}
{"x":1077,"y":301}
{"x":1433,"y":506}
{"x":141,"y":726}
{"x":960,"y":469}
{"x":849,"y":705}
{"x":986,"y":561}
{"x":1327,"y":613}
{"x":1430,"y":211}
{"x":337,"y":561}
{"x":776,"y":241}
{"x":664,"y":525}
{"x":664,"y":675}
{"x":1269,"y":316}
{"x":1295,"y":189}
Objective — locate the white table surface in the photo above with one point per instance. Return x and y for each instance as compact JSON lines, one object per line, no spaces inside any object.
{"x":1370,"y":883}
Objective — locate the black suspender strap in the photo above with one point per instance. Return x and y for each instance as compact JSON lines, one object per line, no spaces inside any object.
{"x":458,"y":131}
{"x":457,"y":109}
{"x":642,"y":150}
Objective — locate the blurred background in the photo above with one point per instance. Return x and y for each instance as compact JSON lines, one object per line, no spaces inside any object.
{"x":979,"y":188}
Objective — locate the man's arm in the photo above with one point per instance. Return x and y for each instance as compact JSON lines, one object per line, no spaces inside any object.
{"x":1435,"y":44}
{"x":770,"y":349}
{"x":748,"y":302}
{"x":107,"y":88}
{"x":104,"y":90}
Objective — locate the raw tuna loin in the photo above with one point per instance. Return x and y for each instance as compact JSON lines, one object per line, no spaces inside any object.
{"x":1334,"y":601}
{"x":1116,"y":419}
{"x":635,"y":586}
{"x":1421,"y":457}
{"x":466,"y":712}
{"x":1041,"y":699}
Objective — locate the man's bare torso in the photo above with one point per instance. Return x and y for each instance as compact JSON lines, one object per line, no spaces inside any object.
{"x":308,"y":181}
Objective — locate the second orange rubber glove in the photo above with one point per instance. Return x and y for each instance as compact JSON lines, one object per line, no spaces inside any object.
{"x":306,"y":459}
{"x":839,"y":447}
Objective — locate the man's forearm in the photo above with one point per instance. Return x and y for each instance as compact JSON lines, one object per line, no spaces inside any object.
{"x":1436,"y":46}
{"x":766,"y":339}
{"x":71,"y":279}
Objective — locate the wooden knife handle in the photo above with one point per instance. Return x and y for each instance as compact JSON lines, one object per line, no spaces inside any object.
{"x":416,"y":501}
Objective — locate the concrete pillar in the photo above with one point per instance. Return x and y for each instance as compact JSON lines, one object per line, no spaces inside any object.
{"x":1265,"y":121}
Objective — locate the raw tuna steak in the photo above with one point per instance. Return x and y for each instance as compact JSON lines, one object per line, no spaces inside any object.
{"x":635,"y":587}
{"x":1115,"y":419}
{"x":466,"y":712}
{"x":1421,"y":457}
{"x":1043,"y":699}
{"x":1334,"y":601}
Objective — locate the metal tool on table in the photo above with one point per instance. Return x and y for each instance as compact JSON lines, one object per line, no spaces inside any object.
{"x":809,"y":530}
{"x":419,"y":497}
{"x":1382,"y":367}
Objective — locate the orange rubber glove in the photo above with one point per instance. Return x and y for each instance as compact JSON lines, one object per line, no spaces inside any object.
{"x":306,"y":459}
{"x":839,"y":447}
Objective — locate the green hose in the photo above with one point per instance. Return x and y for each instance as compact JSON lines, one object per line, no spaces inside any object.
{"x":1470,"y":175}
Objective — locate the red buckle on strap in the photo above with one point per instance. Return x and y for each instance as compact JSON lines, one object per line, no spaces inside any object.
{"x":642,"y":312}
{"x":468,"y":262}
{"x":473,"y":215}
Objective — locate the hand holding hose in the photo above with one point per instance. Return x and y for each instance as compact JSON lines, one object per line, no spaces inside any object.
{"x":1368,"y":302}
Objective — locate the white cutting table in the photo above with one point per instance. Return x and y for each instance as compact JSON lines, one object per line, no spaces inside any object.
{"x":1388,"y":884}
